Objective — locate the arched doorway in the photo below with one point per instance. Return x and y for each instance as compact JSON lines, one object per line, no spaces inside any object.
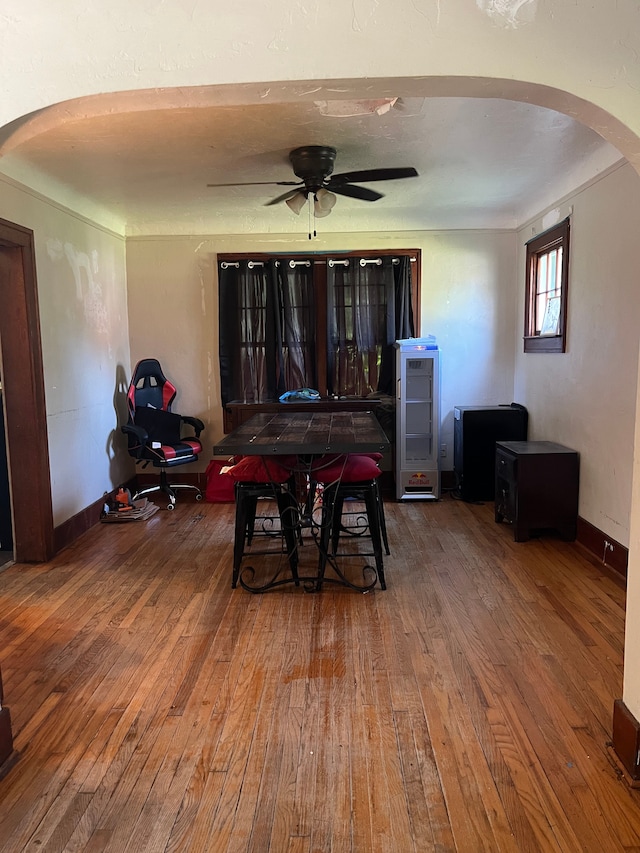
{"x":24,"y":401}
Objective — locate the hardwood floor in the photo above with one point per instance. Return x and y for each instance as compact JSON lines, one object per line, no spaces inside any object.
{"x":466,"y":708}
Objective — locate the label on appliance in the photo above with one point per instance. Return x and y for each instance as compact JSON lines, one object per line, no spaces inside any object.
{"x":418,"y":479}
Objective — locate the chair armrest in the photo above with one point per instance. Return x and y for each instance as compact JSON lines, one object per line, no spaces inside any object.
{"x":138,"y":439}
{"x":196,"y":423}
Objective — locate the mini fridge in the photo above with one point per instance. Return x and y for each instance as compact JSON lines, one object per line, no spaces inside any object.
{"x":417,"y":419}
{"x":475,"y":432}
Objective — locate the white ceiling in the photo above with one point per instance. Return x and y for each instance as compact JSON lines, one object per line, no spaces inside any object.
{"x":482,"y":163}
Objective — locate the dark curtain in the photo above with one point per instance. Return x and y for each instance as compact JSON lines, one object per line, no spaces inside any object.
{"x":400,"y":323}
{"x":298,"y":323}
{"x":369,"y":307}
{"x":266,"y":330}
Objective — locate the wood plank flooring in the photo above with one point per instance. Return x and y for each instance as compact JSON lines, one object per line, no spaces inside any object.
{"x":466,"y":708}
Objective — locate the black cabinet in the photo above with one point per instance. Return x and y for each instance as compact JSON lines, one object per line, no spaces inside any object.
{"x":475,"y":432}
{"x":536,"y":487}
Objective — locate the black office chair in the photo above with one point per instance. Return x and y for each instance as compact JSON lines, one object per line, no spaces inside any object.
{"x":155,"y":432}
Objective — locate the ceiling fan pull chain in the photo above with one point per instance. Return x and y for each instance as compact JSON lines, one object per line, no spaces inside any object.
{"x":312,"y":218}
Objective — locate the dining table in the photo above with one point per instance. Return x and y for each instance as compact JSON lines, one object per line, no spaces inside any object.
{"x":307,"y":435}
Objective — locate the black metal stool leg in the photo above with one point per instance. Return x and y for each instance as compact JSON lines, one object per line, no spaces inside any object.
{"x":251,"y":504}
{"x":327,"y":522}
{"x":373,"y":513}
{"x":383,"y":524}
{"x":336,"y":520}
{"x":240,"y":533}
{"x":290,"y":524}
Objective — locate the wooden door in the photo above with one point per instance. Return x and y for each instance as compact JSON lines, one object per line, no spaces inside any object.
{"x":23,"y":397}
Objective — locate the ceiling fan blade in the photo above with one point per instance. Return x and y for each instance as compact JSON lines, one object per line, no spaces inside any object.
{"x":367,"y":175}
{"x":260,"y":184}
{"x":283,"y":197}
{"x":353,"y":191}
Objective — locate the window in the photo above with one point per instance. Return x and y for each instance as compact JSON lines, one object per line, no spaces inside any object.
{"x":324,"y":322}
{"x":545,"y":319}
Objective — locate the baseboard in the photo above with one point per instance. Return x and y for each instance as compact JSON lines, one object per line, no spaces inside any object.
{"x":626,"y":742}
{"x":71,"y":529}
{"x":609,"y":552}
{"x":6,"y":736}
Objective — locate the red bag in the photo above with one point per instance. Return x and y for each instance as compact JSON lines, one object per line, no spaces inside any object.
{"x":220,"y":487}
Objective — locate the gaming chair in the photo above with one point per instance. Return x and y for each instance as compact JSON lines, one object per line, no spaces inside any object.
{"x":155,"y":432}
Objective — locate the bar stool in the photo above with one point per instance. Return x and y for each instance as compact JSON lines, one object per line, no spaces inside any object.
{"x":324,"y":462}
{"x":258,"y":477}
{"x":354,"y":476}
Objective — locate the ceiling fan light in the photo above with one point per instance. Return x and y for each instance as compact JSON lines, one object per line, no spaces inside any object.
{"x":318,"y":212}
{"x":296,"y":202}
{"x":325,"y":201}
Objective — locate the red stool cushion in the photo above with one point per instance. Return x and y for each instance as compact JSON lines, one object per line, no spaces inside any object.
{"x":355,"y":468}
{"x":262,"y":469}
{"x":377,"y":457}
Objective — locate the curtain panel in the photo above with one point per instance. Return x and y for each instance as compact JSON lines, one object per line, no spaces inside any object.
{"x":369,"y":308}
{"x":268,"y":325}
{"x":266,"y":329}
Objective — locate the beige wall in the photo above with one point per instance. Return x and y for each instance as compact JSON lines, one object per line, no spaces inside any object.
{"x":467,"y":302}
{"x":85,"y":346}
{"x":586,"y":398}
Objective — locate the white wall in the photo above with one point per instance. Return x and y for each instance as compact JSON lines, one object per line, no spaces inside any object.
{"x":468,"y":302}
{"x":586,"y":397}
{"x":85,"y":346}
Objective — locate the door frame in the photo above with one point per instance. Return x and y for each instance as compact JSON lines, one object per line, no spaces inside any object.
{"x":24,"y":397}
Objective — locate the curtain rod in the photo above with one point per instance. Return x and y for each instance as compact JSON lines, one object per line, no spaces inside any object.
{"x":344,"y":262}
{"x":251,"y":264}
{"x":332,"y":262}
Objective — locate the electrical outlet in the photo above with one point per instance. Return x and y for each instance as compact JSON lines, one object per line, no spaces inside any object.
{"x":608,"y":546}
{"x":443,"y":450}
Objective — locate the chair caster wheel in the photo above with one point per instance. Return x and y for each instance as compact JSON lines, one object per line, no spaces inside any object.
{"x":171,"y":506}
{"x":199,"y":497}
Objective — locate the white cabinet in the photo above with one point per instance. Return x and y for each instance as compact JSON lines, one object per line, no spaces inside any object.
{"x":417,"y":419}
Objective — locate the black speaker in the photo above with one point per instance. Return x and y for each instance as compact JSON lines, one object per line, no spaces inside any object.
{"x":475,"y":432}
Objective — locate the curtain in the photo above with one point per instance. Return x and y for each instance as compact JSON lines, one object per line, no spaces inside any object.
{"x":400,"y":324}
{"x":369,"y":307}
{"x":266,"y":329}
{"x":298,"y":323}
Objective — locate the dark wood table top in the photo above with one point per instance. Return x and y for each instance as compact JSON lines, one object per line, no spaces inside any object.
{"x":307,"y":432}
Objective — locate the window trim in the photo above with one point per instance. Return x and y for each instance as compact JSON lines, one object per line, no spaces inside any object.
{"x":540,"y":245}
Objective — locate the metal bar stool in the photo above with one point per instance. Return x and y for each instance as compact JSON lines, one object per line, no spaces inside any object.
{"x":258,"y":478}
{"x":357,"y":529}
{"x":350,"y":477}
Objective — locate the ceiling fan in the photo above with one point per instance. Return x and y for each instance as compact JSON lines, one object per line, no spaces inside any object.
{"x":313,"y":164}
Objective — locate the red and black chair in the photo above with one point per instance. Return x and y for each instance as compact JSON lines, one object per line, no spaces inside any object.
{"x":155,"y":433}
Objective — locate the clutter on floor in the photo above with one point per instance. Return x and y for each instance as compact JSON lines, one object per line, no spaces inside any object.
{"x":122,"y":508}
